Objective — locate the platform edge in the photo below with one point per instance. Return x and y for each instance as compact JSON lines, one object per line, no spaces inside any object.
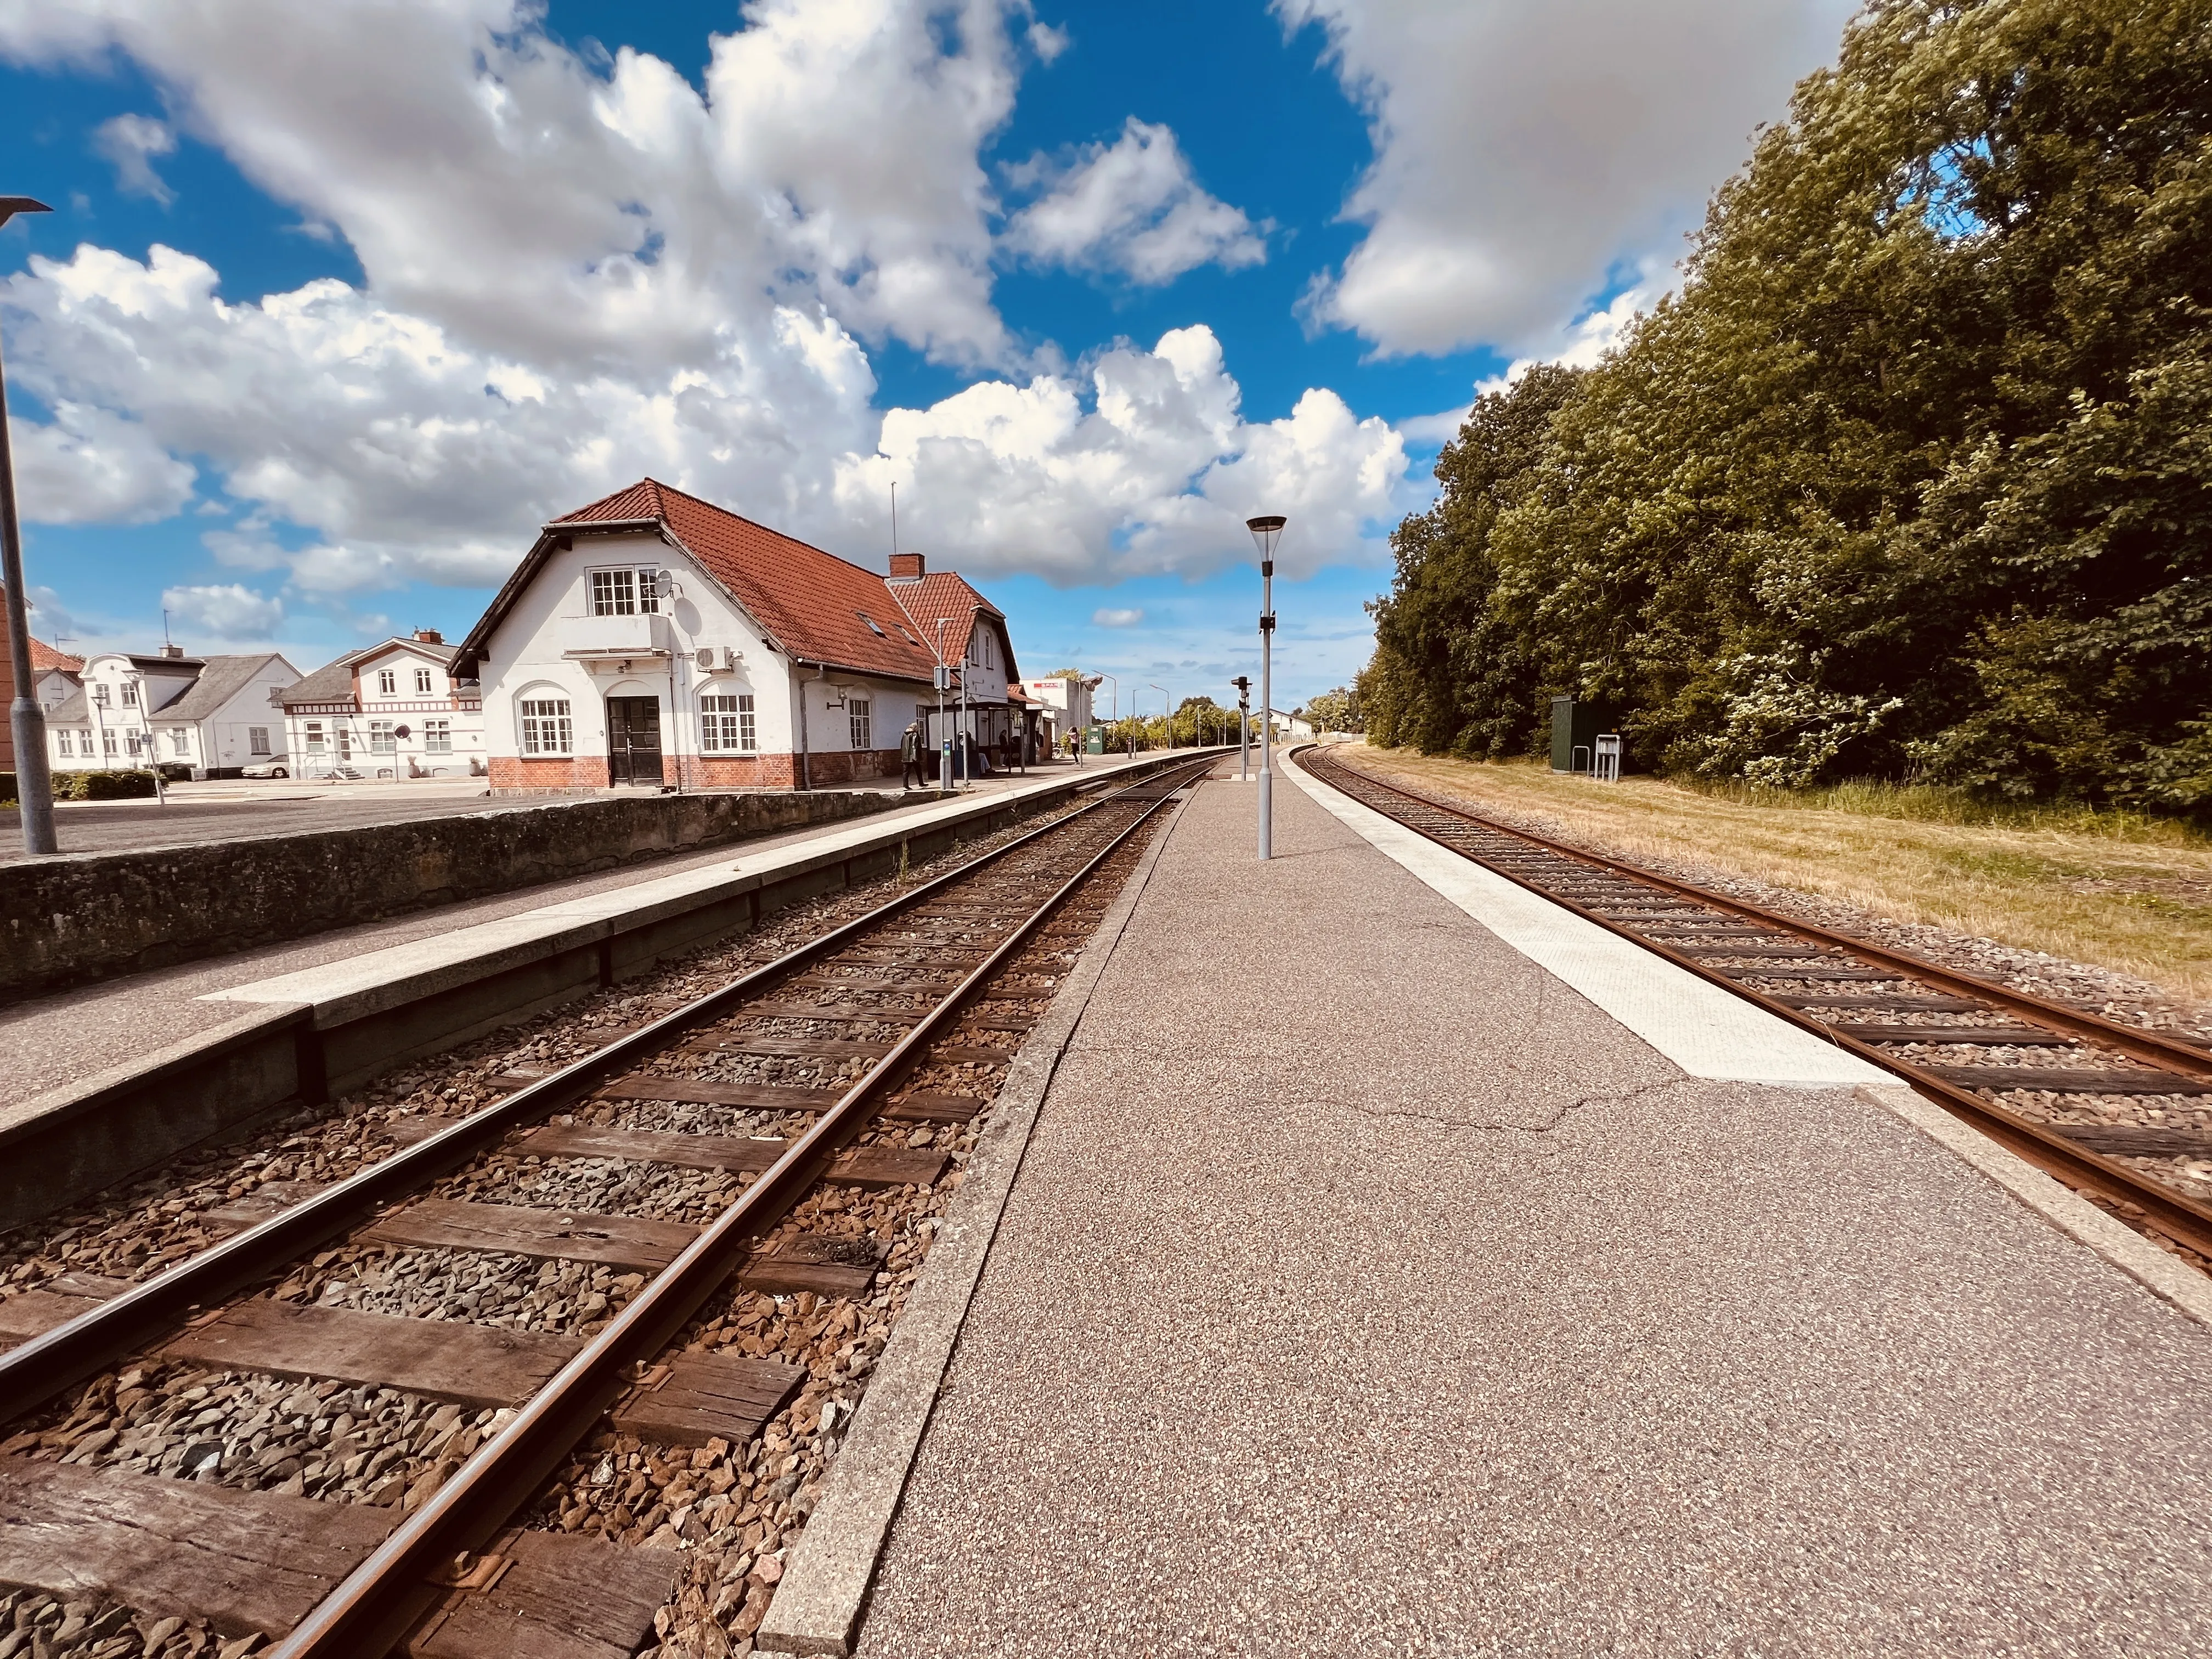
{"x":2171,"y":1281}
{"x":819,"y":1600}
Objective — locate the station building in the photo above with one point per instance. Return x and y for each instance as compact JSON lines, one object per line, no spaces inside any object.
{"x":654,"y":639}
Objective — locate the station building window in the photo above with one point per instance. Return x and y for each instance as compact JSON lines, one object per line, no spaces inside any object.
{"x":857,"y":711}
{"x":547,"y":728}
{"x":387,"y":682}
{"x":438,"y":736}
{"x":380,"y":737}
{"x":726,"y":723}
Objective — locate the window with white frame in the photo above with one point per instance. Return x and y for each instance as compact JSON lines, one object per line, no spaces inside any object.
{"x":380,"y":737}
{"x":180,"y":740}
{"x":130,"y":694}
{"x":423,"y":681}
{"x":108,"y":743}
{"x":857,"y":711}
{"x":99,"y":693}
{"x":313,"y":733}
{"x":438,"y":736}
{"x":132,"y":739}
{"x":546,"y":727}
{"x":624,"y":593}
{"x":387,"y":682}
{"x":257,"y":739}
{"x":725,"y":724}
{"x":61,"y":743}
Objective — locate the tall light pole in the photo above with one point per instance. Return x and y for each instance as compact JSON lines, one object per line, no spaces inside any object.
{"x":945,"y":742}
{"x":1266,"y":531}
{"x":1168,"y":735}
{"x":26,"y":721}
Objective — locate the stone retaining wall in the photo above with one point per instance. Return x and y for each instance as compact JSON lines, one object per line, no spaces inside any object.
{"x":88,"y":916}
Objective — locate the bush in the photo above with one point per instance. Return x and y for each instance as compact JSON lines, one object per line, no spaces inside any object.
{"x":103,"y":785}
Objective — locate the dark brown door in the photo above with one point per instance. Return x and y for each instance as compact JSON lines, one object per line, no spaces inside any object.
{"x":634,"y":740}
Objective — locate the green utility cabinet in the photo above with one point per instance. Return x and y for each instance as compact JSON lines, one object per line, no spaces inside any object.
{"x":1575,"y":727}
{"x":1094,"y":740}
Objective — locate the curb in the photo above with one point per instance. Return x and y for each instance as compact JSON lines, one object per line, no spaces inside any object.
{"x":2169,"y":1280}
{"x":818,"y":1604}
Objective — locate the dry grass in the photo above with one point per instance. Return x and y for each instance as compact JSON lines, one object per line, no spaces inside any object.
{"x":2114,"y":890}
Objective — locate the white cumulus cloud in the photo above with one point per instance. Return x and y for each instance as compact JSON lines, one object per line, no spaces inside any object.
{"x":230,"y":611}
{"x":1131,"y":206}
{"x":1148,"y":454}
{"x":1524,"y":148}
{"x":1116,"y":616}
{"x":90,"y":465}
{"x":577,"y":274}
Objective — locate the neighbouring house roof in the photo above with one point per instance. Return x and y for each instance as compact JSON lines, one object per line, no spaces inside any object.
{"x":70,"y":710}
{"x":333,"y":681}
{"x":45,"y":657}
{"x":218,"y":683}
{"x":814,"y":606}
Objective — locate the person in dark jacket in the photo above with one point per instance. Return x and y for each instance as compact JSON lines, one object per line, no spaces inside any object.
{"x":910,"y":757}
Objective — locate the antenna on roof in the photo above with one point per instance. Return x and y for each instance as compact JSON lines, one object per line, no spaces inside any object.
{"x":895,"y":518}
{"x":165,"y":628}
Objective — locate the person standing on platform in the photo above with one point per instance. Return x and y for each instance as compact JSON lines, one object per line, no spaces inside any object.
{"x":910,"y":757}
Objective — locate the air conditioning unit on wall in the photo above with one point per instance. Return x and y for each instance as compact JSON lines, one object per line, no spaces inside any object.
{"x":719,"y":659}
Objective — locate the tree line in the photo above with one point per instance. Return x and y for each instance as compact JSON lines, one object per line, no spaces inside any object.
{"x":1911,"y":478}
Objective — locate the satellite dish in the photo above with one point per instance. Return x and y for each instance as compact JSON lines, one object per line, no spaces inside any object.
{"x":399,"y":731}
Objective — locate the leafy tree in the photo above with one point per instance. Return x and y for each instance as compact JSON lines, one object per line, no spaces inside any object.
{"x":1911,"y":478}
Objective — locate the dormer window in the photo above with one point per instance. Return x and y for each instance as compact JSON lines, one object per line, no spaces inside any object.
{"x":871,"y":622}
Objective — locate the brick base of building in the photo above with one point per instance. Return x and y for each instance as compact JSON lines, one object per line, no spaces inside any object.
{"x":540,"y":774}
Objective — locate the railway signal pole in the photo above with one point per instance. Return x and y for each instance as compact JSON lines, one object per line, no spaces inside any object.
{"x":1266,"y":531}
{"x":1244,"y":684}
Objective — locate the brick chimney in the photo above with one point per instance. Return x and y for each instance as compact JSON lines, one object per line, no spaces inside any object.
{"x":429,"y":636}
{"x":173,"y":650}
{"x":905,"y":567}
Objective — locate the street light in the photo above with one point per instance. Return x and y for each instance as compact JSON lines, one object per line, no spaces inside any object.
{"x":26,"y":721}
{"x":1266,"y":531}
{"x":1168,"y":733}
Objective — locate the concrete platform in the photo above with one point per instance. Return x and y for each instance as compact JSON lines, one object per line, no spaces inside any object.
{"x":1368,"y":1289}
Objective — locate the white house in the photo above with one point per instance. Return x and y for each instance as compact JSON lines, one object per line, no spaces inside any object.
{"x":1064,"y":704}
{"x":654,"y":640}
{"x":214,"y":715}
{"x":393,"y":710}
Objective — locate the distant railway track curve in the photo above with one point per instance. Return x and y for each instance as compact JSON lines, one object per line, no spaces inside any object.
{"x":2065,"y":1089}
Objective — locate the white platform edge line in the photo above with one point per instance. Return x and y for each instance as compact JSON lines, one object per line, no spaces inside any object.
{"x":2169,"y":1280}
{"x":1705,"y":1029}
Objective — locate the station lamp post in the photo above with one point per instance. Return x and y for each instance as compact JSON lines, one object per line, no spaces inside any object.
{"x":1266,"y":531}
{"x":1167,"y":736}
{"x":26,"y":721}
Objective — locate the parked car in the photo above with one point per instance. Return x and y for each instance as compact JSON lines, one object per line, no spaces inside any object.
{"x":278,"y":768}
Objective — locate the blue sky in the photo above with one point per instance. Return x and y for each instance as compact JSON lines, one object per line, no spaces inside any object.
{"x":1089,"y":282}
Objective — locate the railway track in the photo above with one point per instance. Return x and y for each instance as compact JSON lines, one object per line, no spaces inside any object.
{"x":487,"y":1394}
{"x":2071,"y":1091}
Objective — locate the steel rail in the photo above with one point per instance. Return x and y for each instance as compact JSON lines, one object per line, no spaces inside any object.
{"x":2179,"y":1217}
{"x":35,"y":1371}
{"x":374,"y":1605}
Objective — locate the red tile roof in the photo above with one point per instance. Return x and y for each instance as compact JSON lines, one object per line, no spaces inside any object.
{"x":44,"y":657}
{"x":946,"y":594}
{"x":811,"y":603}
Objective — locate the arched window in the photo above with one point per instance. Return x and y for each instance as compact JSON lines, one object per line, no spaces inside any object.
{"x":544,"y":724}
{"x":726,"y":723}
